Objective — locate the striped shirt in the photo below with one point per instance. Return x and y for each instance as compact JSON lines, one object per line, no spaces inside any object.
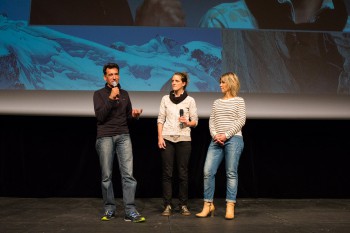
{"x":228,"y":117}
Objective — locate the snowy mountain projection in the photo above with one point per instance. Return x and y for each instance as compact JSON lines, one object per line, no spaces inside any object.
{"x":41,"y":58}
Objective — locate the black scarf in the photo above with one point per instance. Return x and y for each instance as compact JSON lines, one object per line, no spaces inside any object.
{"x":177,"y":100}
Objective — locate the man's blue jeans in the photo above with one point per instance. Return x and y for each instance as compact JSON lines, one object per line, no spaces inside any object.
{"x":231,"y":151}
{"x":121,"y":146}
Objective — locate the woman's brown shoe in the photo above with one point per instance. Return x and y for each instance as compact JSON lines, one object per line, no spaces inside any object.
{"x":184,"y":210}
{"x":230,"y":210}
{"x":167,"y":211}
{"x":208,"y":209}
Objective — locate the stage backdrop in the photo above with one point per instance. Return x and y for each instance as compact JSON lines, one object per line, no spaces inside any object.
{"x":294,"y":78}
{"x":285,"y":71}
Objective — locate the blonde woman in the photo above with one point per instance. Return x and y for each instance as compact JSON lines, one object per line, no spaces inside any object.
{"x":226,"y":120}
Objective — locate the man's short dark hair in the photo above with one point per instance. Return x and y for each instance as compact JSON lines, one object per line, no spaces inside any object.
{"x":110,"y":66}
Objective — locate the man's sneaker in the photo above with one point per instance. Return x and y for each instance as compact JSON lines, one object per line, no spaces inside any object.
{"x":134,"y":217}
{"x":108,"y":215}
{"x":167,"y":211}
{"x":184,"y":210}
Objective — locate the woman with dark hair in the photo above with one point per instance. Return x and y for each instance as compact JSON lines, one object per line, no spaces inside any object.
{"x":177,"y":114}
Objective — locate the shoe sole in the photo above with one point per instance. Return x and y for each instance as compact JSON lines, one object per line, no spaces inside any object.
{"x":106,"y":219}
{"x":129,"y":220}
{"x":186,"y":214}
{"x":165,"y":214}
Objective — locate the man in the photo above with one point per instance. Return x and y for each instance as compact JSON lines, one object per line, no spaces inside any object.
{"x":113,"y":111}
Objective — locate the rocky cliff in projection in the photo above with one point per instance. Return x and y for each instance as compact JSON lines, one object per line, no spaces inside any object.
{"x":41,"y":58}
{"x":288,"y":62}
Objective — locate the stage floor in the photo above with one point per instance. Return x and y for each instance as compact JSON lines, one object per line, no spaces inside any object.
{"x":82,"y":215}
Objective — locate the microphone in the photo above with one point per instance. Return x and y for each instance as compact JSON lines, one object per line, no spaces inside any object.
{"x":115,"y":84}
{"x":181,"y":114}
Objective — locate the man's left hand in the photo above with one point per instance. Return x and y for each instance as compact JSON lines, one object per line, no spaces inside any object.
{"x":136,"y":113}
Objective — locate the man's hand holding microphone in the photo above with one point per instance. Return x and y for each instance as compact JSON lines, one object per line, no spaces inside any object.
{"x":115,"y":91}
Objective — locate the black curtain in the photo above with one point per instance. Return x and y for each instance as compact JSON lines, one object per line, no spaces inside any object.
{"x":51,"y":156}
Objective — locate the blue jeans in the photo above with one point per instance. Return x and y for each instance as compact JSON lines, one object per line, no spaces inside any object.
{"x":231,"y":151}
{"x":121,"y":146}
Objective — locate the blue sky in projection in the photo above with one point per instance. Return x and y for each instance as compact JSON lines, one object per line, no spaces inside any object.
{"x":71,"y":57}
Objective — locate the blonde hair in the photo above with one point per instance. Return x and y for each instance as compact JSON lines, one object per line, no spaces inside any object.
{"x":233,"y":82}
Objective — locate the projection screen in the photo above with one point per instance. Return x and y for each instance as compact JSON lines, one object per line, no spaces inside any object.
{"x":51,"y":62}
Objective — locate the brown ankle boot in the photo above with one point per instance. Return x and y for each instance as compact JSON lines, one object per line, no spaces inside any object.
{"x":230,"y":210}
{"x":208,"y":209}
